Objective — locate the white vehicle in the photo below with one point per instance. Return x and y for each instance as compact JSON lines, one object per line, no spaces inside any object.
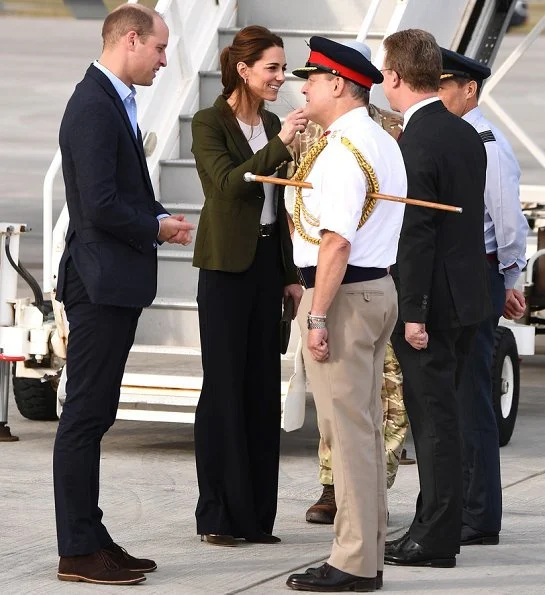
{"x":36,"y":332}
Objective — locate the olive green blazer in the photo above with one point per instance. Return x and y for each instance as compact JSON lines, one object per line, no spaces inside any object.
{"x":229,"y":223}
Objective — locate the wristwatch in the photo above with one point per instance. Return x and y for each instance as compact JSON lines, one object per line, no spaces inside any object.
{"x":315,"y":322}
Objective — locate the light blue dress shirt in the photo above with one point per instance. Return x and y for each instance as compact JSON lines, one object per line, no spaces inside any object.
{"x":126,"y":94}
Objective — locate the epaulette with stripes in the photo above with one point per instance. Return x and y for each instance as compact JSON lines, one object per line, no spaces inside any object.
{"x":487,"y":136}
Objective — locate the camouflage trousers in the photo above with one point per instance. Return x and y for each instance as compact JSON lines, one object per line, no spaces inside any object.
{"x":395,"y":422}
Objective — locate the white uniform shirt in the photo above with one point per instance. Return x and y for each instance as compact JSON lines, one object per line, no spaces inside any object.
{"x":339,"y":189}
{"x":505,"y":227}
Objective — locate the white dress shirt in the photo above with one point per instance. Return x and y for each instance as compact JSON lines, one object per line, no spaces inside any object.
{"x":414,"y":108}
{"x":505,"y":227}
{"x":339,"y":189}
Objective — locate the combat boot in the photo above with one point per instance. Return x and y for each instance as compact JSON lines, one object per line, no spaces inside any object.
{"x":324,"y":510}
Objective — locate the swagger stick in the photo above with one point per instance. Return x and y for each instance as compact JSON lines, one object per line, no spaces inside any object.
{"x":249,"y":177}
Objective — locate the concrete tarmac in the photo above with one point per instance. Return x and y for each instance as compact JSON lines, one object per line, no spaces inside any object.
{"x":149,"y":492}
{"x":149,"y":487}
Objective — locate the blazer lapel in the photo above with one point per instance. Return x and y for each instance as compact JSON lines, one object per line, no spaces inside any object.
{"x":233,"y":129}
{"x":106,"y":84}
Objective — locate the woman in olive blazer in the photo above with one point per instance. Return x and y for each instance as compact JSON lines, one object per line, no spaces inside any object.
{"x":244,"y":253}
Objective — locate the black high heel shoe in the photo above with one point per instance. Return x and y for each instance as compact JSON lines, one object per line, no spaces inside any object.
{"x":263,"y":538}
{"x":223,"y":540}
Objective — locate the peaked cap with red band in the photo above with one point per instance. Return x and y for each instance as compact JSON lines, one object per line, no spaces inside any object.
{"x":340,"y":60}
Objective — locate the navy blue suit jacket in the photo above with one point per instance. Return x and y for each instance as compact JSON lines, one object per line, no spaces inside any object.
{"x":112,"y":236}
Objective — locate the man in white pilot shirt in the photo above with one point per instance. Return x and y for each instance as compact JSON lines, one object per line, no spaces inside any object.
{"x":350,"y":306}
{"x":505,"y":230}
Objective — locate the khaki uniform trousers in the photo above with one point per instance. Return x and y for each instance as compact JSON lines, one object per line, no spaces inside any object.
{"x":346,"y":389}
{"x":395,"y":422}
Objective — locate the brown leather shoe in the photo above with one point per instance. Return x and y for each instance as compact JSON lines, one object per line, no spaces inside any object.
{"x":325,"y":509}
{"x":224,"y":540}
{"x":405,"y":460}
{"x":98,"y":568}
{"x":124,"y":560}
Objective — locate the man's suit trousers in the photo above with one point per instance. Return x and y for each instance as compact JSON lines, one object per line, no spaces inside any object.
{"x":430,"y":378}
{"x":98,"y":346}
{"x":346,"y":390}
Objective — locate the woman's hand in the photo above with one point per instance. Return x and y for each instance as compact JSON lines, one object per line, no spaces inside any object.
{"x":294,"y":122}
{"x":296,"y":292}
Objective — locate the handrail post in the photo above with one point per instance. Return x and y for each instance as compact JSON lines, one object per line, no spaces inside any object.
{"x":48,"y":220}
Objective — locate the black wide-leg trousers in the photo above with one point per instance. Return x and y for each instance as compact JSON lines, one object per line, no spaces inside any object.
{"x":98,"y":346}
{"x":237,"y":422}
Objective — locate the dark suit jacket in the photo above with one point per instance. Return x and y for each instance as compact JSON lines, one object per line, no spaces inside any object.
{"x":112,"y":235}
{"x":229,"y":222}
{"x":441,"y":265}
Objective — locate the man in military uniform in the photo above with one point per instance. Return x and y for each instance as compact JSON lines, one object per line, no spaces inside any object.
{"x":343,"y":246}
{"x":505,"y":230}
{"x":395,"y":420}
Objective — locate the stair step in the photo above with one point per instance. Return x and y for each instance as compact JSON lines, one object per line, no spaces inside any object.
{"x":180,"y":182}
{"x":170,"y":322}
{"x":186,"y":138}
{"x":182,"y":207}
{"x":177,"y":255}
{"x":164,"y":303}
{"x":325,"y":15}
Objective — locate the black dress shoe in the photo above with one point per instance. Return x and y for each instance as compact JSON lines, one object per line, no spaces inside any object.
{"x":470,"y":536}
{"x":395,"y":543}
{"x":410,"y":553}
{"x":331,"y":580}
{"x":379,"y":578}
{"x":222,"y":540}
{"x":263,"y":538}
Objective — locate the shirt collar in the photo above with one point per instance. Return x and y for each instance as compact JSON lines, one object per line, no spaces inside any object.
{"x":472,"y":116}
{"x":343,"y":121}
{"x":122,"y":90}
{"x":414,"y":108}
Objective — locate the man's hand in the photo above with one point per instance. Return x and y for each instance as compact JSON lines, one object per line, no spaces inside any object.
{"x":296,"y":292}
{"x":175,"y":230}
{"x":416,"y":335}
{"x":317,"y":344}
{"x":515,"y":304}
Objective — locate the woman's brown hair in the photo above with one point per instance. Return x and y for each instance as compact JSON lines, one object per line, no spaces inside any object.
{"x":248,"y":47}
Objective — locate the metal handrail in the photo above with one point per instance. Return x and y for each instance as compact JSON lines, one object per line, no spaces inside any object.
{"x":506,"y":120}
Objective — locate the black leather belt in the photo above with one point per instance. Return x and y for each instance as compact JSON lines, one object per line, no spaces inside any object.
{"x":353,"y":275}
{"x":492,"y":257}
{"x":268,"y":229}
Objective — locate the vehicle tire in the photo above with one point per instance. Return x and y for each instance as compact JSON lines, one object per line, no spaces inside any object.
{"x":35,"y":399}
{"x":505,"y":382}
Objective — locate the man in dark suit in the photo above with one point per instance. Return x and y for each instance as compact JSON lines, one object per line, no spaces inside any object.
{"x":442,"y":286}
{"x":107,"y":274}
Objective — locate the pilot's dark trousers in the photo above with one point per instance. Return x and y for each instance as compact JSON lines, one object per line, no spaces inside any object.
{"x":98,"y":345}
{"x":481,"y":454}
